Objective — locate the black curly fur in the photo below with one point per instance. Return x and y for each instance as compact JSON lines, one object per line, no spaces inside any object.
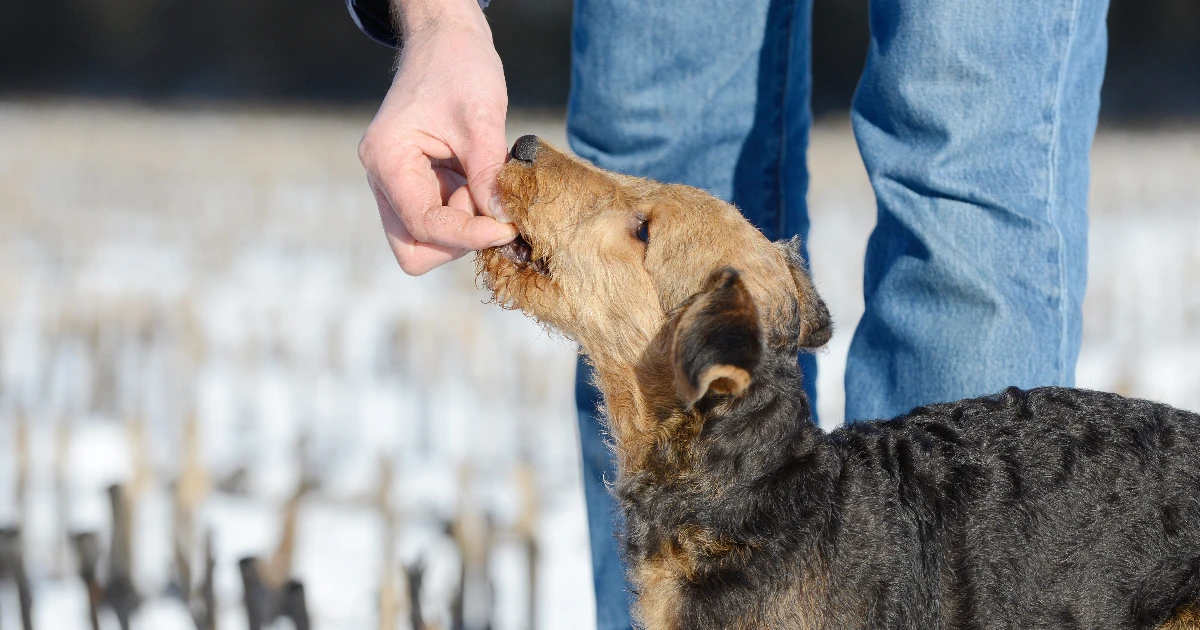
{"x":1053,"y":508}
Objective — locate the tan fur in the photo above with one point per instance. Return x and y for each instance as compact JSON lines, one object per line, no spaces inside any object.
{"x":724,"y":379}
{"x":659,"y":580}
{"x":1186,"y":618}
{"x":608,"y":292}
{"x":658,"y":583}
{"x":623,"y":302}
{"x":796,"y":606}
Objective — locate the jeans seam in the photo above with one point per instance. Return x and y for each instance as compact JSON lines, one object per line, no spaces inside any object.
{"x":1052,"y":192}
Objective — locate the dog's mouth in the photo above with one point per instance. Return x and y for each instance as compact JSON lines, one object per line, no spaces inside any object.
{"x":520,"y":253}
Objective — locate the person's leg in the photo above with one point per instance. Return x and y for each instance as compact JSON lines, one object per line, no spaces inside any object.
{"x":713,"y":96}
{"x":974,"y":120}
{"x":613,"y":595}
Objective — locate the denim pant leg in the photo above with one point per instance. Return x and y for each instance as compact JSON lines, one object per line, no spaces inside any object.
{"x":715,"y":96}
{"x":613,"y":595}
{"x":975,"y":120}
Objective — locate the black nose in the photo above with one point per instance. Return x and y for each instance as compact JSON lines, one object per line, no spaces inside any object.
{"x":525,"y":149}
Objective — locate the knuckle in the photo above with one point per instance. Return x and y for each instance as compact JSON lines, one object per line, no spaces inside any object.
{"x":417,"y":269}
{"x":409,"y":268}
{"x":485,"y":116}
{"x":483,"y":112}
{"x":426,"y":231}
{"x":416,"y":231}
{"x":408,"y":263}
{"x":366,"y":147}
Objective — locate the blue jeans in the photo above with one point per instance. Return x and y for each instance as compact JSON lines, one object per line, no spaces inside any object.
{"x":974,"y":120}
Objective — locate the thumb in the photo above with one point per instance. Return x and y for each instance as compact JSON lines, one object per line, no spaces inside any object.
{"x":482,"y":164}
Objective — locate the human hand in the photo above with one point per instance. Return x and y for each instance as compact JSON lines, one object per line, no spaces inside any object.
{"x":437,"y":142}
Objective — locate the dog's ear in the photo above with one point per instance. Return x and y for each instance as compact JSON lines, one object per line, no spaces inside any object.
{"x":815,"y":327}
{"x":718,"y":340}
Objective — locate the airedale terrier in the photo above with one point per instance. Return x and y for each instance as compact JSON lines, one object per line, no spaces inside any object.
{"x":1051,"y":508}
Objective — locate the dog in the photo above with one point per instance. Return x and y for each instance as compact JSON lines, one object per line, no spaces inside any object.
{"x":1050,"y":508}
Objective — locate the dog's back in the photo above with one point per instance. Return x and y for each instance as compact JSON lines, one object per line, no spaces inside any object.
{"x":1052,"y":508}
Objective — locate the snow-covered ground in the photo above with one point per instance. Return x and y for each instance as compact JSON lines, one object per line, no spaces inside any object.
{"x":158,"y":266}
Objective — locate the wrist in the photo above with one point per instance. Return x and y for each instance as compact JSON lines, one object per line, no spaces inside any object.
{"x":414,"y":16}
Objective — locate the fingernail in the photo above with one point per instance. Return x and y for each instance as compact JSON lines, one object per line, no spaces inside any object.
{"x":497,"y":210}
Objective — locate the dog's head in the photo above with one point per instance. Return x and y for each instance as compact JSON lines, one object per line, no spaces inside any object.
{"x":630,"y":267}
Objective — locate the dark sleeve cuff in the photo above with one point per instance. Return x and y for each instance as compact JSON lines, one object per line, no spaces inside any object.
{"x":373,"y":17}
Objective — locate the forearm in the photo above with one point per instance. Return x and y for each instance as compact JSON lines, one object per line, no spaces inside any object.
{"x":416,"y":15}
{"x":384,"y":20}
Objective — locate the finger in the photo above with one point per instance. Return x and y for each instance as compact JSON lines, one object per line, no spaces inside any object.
{"x":457,"y":227}
{"x":406,"y":180}
{"x":481,"y":161}
{"x":448,"y":182}
{"x":461,"y":200}
{"x":451,"y":164}
{"x":412,"y":191}
{"x":413,"y":256}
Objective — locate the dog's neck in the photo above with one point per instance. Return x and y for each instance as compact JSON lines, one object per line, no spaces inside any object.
{"x":660,"y":442}
{"x":699,"y":488}
{"x":645,"y":414}
{"x":650,"y":428}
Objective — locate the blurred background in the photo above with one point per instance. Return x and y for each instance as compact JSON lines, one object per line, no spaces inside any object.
{"x":223,"y":405}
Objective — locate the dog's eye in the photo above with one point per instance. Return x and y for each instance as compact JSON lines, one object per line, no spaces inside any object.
{"x":643,"y":231}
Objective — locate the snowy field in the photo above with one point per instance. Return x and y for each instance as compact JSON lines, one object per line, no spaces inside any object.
{"x":200,"y":306}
